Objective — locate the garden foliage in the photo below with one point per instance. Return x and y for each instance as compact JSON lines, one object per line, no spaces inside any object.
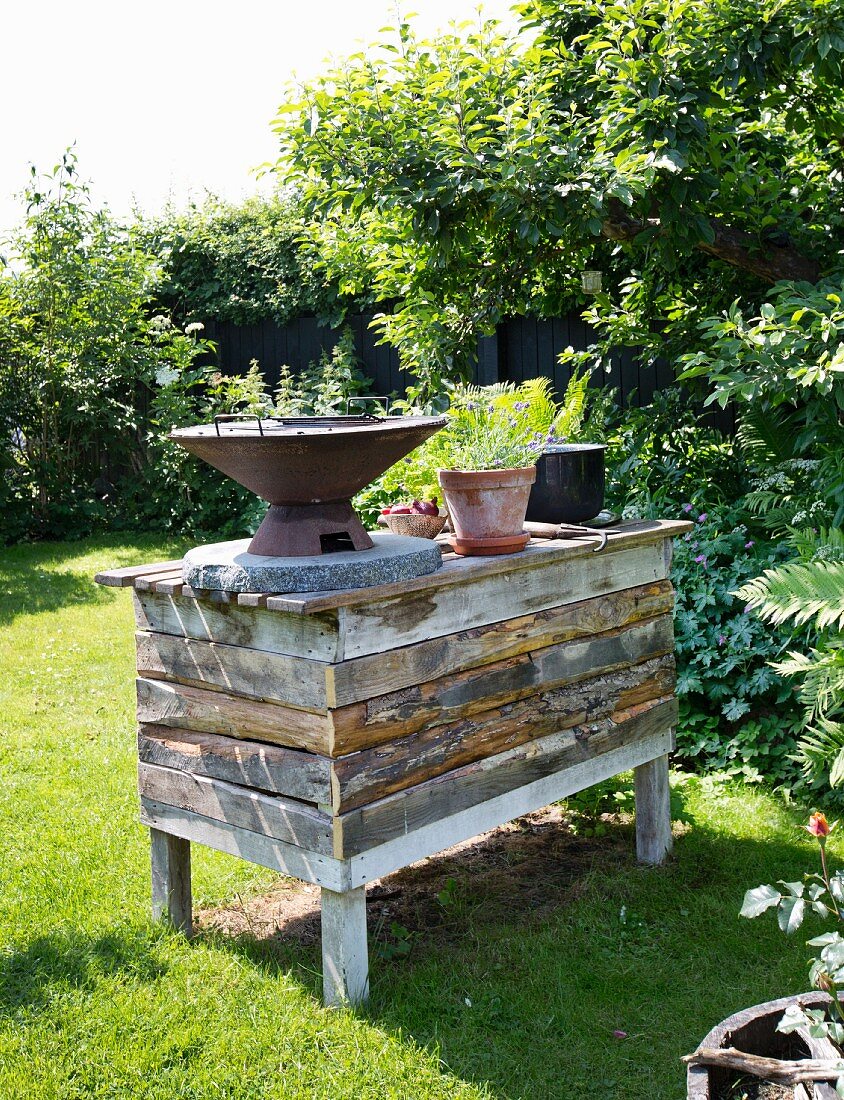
{"x":474,"y":176}
{"x":240,"y":262}
{"x":80,"y":352}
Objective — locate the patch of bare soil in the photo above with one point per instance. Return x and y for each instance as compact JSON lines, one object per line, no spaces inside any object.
{"x":530,"y":866}
{"x":753,"y":1088}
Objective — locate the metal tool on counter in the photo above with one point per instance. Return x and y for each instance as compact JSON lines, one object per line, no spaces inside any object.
{"x":569,"y":531}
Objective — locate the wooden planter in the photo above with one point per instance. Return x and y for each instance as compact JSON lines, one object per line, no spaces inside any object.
{"x":754,"y":1031}
{"x":339,"y":736}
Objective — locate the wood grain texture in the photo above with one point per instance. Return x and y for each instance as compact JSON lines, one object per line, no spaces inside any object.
{"x":345,"y":958}
{"x":416,"y":616}
{"x":408,"y":810}
{"x":452,"y":828}
{"x":315,"y":637}
{"x":433,"y":658}
{"x":171,"y":880}
{"x":454,"y":697}
{"x":462,"y":570}
{"x":266,"y":768}
{"x":290,"y":680}
{"x":150,"y":581}
{"x":653,"y":811}
{"x":181,"y":706}
{"x":287,"y":859}
{"x":274,"y":816}
{"x":376,"y":772}
{"x":126,"y":576}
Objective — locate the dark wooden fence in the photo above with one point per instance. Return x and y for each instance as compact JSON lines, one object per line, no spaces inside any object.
{"x":522,"y":347}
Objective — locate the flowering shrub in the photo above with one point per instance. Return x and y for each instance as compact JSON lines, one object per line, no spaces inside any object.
{"x":822,"y":894}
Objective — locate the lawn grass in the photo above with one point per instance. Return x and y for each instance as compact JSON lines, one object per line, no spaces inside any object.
{"x":504,"y":1002}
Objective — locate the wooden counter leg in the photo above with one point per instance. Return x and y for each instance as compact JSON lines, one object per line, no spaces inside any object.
{"x":653,"y":811}
{"x":171,"y":890}
{"x":345,"y":962}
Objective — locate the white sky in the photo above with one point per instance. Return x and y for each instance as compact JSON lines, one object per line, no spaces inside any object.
{"x":169,"y":97}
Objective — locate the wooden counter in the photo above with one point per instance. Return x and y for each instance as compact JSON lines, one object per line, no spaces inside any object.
{"x":338,"y":736}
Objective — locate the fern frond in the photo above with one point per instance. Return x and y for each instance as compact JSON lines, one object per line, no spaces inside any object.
{"x":822,"y":672}
{"x":800,"y":591}
{"x":765,"y":436}
{"x":826,"y":543}
{"x":821,"y":752}
{"x":569,"y":419}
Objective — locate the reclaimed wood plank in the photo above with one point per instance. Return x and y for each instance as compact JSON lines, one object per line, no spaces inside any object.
{"x":287,"y":859}
{"x":627,"y":535}
{"x":274,"y":816}
{"x":653,"y":811}
{"x":125,"y":576}
{"x":376,"y":772}
{"x":433,"y":658}
{"x":450,"y":697}
{"x":453,"y":828}
{"x":345,"y":959}
{"x":376,"y":626}
{"x":267,"y":768}
{"x":316,"y":636}
{"x":485,"y":779}
{"x":181,"y":706}
{"x":171,"y":881}
{"x":150,"y":580}
{"x":292,"y":680}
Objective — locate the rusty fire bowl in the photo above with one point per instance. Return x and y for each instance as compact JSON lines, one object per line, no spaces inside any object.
{"x":307,"y":469}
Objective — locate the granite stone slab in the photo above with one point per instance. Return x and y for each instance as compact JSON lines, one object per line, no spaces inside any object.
{"x":226,"y":566}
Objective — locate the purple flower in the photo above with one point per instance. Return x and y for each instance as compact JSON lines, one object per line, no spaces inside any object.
{"x":687,"y":508}
{"x":748,"y":544}
{"x":701,"y":560}
{"x":721,"y":639}
{"x":520,"y":406}
{"x":702,"y":517}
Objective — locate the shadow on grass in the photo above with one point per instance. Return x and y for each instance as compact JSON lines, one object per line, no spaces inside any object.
{"x":561,"y":968}
{"x":31,"y":977}
{"x":32,"y":578}
{"x":26,"y":590}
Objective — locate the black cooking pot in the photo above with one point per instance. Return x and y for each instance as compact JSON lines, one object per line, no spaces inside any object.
{"x":569,"y":486}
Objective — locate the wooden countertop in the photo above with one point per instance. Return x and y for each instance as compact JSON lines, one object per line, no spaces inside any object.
{"x":165,"y":577}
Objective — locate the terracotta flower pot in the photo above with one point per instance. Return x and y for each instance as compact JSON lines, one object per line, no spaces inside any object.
{"x":487,"y":509}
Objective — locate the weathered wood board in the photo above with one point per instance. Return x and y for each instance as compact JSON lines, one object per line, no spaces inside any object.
{"x":287,"y":859}
{"x":432,"y":658}
{"x":375,"y":772}
{"x":443,"y":832}
{"x":316,"y":637}
{"x":432,"y":612}
{"x":209,"y":710}
{"x":294,"y":681}
{"x":266,"y":768}
{"x":411,"y":809}
{"x":448,"y":698}
{"x":281,"y":818}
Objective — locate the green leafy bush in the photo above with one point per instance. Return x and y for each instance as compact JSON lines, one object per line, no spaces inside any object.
{"x":738,"y":715}
{"x":241,"y":262}
{"x":80,"y":354}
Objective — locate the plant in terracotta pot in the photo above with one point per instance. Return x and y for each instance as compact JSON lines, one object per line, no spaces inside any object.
{"x":797,"y":1040}
{"x":492,"y":452}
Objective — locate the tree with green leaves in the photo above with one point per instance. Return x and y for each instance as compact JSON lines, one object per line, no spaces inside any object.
{"x":693,"y":150}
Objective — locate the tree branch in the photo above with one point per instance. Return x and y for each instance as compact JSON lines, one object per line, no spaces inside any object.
{"x":771,"y":1069}
{"x":730,"y":245}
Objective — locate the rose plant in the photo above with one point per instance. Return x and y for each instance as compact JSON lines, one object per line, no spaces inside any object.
{"x":822,"y":893}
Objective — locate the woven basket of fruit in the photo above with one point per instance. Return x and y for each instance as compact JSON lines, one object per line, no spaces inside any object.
{"x":421,"y":518}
